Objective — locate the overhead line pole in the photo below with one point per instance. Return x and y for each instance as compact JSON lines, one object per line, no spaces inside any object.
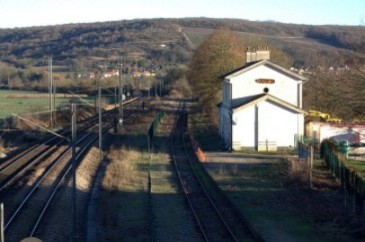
{"x":100,"y":125}
{"x":120,"y":93}
{"x":50,"y":87}
{"x":74,"y":224}
{"x":54,"y":96}
{"x":115,"y":108}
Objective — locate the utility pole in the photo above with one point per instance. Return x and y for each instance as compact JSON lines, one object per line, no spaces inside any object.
{"x":120,"y":94}
{"x":148,"y":86}
{"x":100,"y":125}
{"x":142,"y":81}
{"x":115,"y":108}
{"x":54,"y":100}
{"x":74,"y":119}
{"x":50,"y":88}
{"x":96,"y":88}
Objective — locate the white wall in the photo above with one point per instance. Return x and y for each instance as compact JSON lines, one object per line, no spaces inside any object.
{"x":284,"y":87}
{"x":244,"y":127}
{"x":277,"y":124}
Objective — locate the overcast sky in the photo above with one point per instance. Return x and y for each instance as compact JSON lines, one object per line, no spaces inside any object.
{"x":23,"y":13}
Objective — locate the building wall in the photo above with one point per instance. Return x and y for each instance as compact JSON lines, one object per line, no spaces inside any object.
{"x":277,"y":124}
{"x":284,"y":87}
{"x":225,"y":125}
{"x":227,"y":93}
{"x":244,"y":128}
{"x":266,"y":122}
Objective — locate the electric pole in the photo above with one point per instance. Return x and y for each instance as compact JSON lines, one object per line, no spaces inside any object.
{"x":100,"y":125}
{"x":120,"y":93}
{"x":50,"y":87}
{"x":73,"y":127}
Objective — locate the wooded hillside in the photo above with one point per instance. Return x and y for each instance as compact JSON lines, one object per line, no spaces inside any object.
{"x":323,"y":53}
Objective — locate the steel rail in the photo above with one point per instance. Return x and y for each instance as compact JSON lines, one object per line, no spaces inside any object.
{"x":39,"y":181}
{"x":204,"y":200}
{"x":30,"y":151}
{"x":28,"y":163}
{"x":181,"y":180}
{"x":227,"y":227}
{"x":51,"y":167}
{"x":50,"y":199}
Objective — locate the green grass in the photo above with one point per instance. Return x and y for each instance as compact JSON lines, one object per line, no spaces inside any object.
{"x":20,"y":105}
{"x":359,"y":166}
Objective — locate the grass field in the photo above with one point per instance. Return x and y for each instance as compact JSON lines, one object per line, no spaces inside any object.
{"x":19,"y":102}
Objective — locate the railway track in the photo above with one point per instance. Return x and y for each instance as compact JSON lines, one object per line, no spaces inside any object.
{"x":30,"y":181}
{"x":216,"y":218}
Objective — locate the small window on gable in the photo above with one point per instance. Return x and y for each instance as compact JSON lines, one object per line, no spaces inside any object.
{"x":265,"y":81}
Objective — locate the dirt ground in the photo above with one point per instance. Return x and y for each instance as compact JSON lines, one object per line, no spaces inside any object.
{"x":281,"y":203}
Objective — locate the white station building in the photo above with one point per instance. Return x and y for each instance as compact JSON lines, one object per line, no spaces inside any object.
{"x":262,"y":105}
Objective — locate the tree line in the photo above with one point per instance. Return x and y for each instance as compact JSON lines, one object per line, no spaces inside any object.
{"x":340,"y":94}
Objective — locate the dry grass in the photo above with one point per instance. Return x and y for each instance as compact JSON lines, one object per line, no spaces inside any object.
{"x":122,"y":168}
{"x":126,"y":210}
{"x":123,"y":200}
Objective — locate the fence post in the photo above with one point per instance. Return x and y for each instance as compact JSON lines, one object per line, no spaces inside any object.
{"x":311,"y":165}
{"x":2,"y":239}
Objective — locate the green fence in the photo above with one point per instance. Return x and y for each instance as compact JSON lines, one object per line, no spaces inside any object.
{"x":151,"y":131}
{"x":348,"y":178}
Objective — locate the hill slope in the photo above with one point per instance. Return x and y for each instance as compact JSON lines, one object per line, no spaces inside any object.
{"x":334,"y":56}
{"x":307,"y":45}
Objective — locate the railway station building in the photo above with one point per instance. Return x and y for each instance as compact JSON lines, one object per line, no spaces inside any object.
{"x":262,"y":105}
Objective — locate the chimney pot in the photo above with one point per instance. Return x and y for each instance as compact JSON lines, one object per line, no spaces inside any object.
{"x":257,"y":54}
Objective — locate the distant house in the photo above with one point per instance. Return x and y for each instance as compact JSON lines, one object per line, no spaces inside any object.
{"x":110,"y":74}
{"x":262,"y":105}
{"x":142,"y":73}
{"x":352,"y":133}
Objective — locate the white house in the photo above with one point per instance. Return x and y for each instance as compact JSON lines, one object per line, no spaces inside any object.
{"x":262,"y":105}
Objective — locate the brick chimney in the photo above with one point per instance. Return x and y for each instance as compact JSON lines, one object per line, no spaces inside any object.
{"x":257,"y":54}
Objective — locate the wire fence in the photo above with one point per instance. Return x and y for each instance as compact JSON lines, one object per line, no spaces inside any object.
{"x":348,"y":178}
